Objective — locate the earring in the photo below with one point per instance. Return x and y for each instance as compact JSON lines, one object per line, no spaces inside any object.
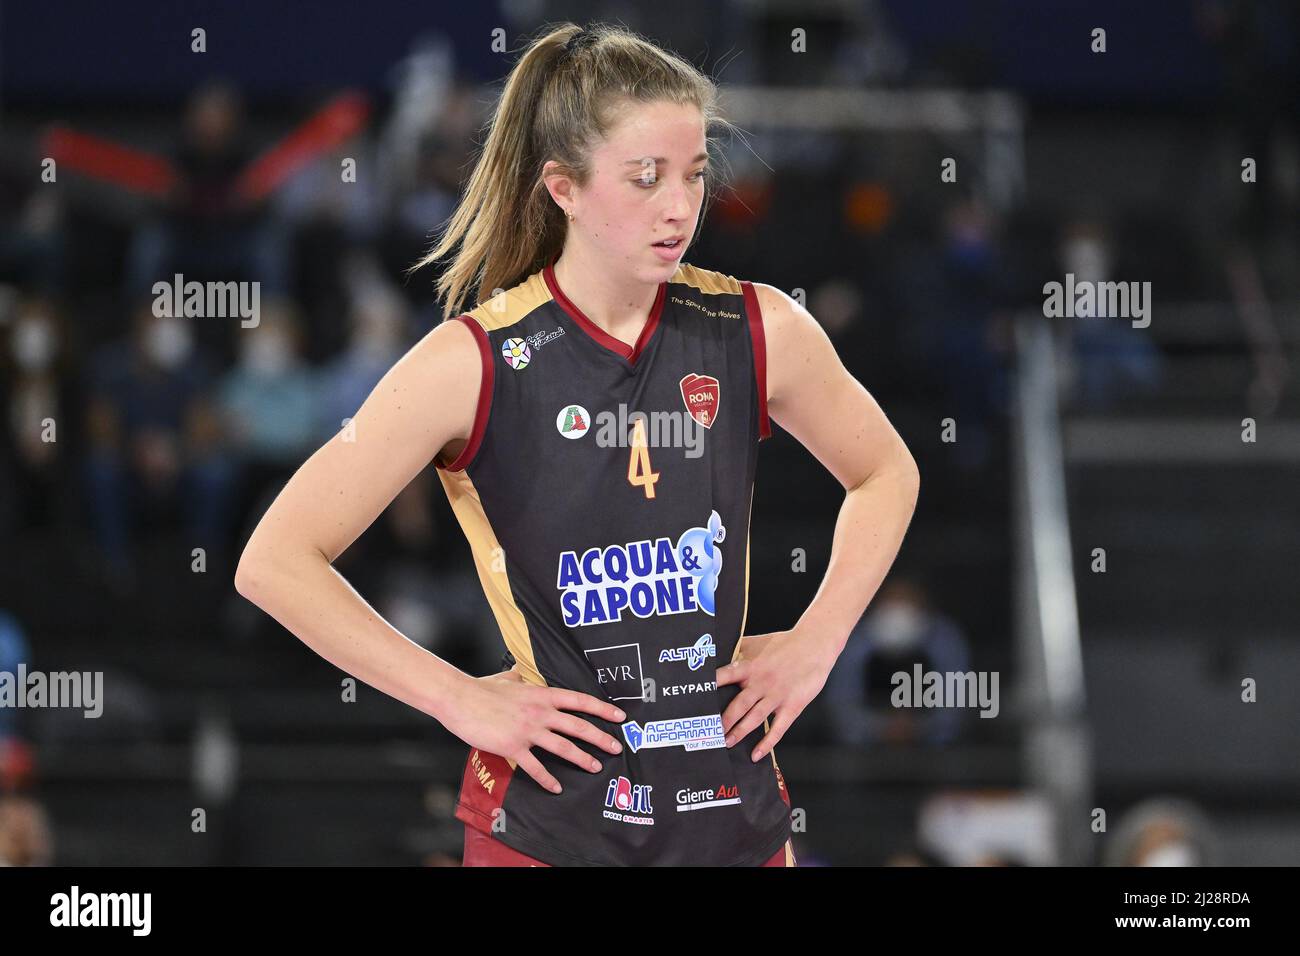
{"x":570,"y":215}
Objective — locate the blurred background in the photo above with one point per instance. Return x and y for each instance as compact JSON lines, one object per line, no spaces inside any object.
{"x":1098,"y":524}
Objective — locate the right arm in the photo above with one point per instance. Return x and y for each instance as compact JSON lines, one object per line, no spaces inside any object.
{"x":422,"y":405}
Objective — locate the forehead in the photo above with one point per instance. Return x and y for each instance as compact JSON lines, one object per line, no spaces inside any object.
{"x":672,"y":132}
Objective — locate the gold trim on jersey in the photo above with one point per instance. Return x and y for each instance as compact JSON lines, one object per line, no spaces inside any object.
{"x":706,"y":280}
{"x":516,"y":303}
{"x":744,"y":614}
{"x":486,"y":549}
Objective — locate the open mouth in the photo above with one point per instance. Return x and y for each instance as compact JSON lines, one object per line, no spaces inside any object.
{"x":669,"y":243}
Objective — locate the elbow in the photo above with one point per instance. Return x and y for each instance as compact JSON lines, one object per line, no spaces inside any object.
{"x":262,"y":571}
{"x":898,"y":471}
{"x":249,"y":575}
{"x":910,"y":479}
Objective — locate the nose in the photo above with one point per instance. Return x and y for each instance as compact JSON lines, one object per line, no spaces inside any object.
{"x":678,"y":205}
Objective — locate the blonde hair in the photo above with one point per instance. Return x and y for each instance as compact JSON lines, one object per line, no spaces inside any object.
{"x":558,"y":100}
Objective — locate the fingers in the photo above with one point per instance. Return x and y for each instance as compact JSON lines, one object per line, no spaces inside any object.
{"x":739,"y":707}
{"x":575,"y":700}
{"x":584,"y":730}
{"x":570,"y":751}
{"x":780,"y":723}
{"x":533,"y":767}
{"x":733,"y":673}
{"x":756,"y":715}
{"x":562,"y":747}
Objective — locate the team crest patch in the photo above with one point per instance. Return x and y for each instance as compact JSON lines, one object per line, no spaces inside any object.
{"x":516,"y":353}
{"x":700,"y":393}
{"x":574,"y":421}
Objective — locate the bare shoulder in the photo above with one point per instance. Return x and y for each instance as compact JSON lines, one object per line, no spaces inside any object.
{"x":798,"y":348}
{"x":785,"y":321}
{"x":447,"y":371}
{"x":430,"y":394}
{"x":451,"y":348}
{"x":421,"y":405}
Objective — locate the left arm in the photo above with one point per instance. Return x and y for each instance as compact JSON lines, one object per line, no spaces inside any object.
{"x":813,"y":397}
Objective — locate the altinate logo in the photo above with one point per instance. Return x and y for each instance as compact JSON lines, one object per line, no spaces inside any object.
{"x":700,"y":393}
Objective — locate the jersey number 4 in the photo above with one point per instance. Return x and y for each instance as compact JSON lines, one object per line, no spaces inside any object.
{"x":638,"y":465}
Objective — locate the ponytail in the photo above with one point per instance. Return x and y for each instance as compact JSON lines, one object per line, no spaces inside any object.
{"x":557,"y":102}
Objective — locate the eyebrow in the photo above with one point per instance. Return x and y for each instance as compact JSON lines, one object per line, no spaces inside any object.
{"x":661,"y":159}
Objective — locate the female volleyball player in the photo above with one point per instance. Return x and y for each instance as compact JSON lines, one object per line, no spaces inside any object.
{"x":595,"y":421}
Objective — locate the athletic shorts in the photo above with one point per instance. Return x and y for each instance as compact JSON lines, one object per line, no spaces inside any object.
{"x":483,"y":850}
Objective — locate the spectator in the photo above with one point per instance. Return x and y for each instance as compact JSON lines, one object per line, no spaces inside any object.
{"x":25,"y":838}
{"x":377,"y":340}
{"x":207,"y":227}
{"x":898,"y":631}
{"x":959,"y":291}
{"x":1162,"y":832}
{"x":33,"y":235}
{"x":37,"y":386}
{"x":154,"y":438}
{"x":14,"y":651}
{"x":1107,"y":355}
{"x":268,"y":402}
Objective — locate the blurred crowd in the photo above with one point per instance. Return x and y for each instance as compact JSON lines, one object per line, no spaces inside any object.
{"x":127,"y":428}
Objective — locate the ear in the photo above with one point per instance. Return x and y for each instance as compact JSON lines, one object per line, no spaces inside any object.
{"x":558,"y":184}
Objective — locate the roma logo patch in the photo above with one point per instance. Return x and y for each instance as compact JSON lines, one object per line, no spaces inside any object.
{"x":700,"y":393}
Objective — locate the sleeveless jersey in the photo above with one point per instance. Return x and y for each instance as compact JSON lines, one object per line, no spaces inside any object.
{"x":606,"y":493}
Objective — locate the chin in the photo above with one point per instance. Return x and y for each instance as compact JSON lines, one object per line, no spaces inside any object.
{"x":663,"y":271}
{"x":653,"y":273}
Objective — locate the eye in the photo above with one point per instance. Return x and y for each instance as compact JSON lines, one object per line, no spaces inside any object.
{"x":645,"y":182}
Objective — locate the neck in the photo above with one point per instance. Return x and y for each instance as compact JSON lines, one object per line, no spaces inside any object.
{"x":617,"y":304}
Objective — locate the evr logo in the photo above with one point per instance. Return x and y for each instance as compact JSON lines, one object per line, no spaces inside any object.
{"x":618,"y":670}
